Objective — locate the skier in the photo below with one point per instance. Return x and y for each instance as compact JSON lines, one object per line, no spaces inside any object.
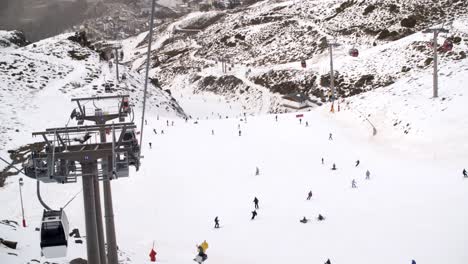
{"x":150,"y":145}
{"x":167,"y":122}
{"x":357,"y":163}
{"x":256,"y":203}
{"x":465,"y":174}
{"x":367,"y":175}
{"x":320,"y":217}
{"x":413,"y":261}
{"x":330,"y":137}
{"x":216,"y":220}
{"x":238,"y":126}
{"x":323,"y":161}
{"x":162,"y":132}
{"x":353,"y":184}
{"x":254,"y":214}
{"x":257,"y":171}
{"x":334,"y":167}
{"x":328,"y":262}
{"x":154,"y":130}
{"x":146,"y":122}
{"x":212,"y":132}
{"x":300,"y":121}
{"x":309,"y":195}
{"x":276,"y":117}
{"x":304,"y":220}
{"x":307,"y":123}
{"x":172,"y":124}
{"x":240,"y":133}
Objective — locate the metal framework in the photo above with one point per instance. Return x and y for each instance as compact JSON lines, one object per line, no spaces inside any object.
{"x":100,"y":116}
{"x":68,"y":148}
{"x":95,"y":153}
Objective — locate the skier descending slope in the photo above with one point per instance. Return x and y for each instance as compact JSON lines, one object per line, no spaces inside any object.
{"x":353,"y":184}
{"x":367,"y":175}
{"x":309,"y":195}
{"x":465,"y":174}
{"x":256,"y":202}
{"x":216,"y":220}
{"x":254,"y":214}
{"x":202,"y":256}
{"x":357,"y":163}
{"x":257,"y":171}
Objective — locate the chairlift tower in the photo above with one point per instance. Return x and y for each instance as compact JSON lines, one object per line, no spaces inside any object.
{"x":72,"y":152}
{"x":436,"y":32}
{"x":100,"y":117}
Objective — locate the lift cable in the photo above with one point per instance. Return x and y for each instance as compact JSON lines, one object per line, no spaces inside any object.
{"x":150,"y":40}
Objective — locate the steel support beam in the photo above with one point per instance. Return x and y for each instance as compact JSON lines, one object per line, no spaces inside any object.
{"x":92,"y":241}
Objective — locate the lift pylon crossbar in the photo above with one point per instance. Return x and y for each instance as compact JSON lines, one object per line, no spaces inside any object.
{"x":94,"y":128}
{"x":100,"y":98}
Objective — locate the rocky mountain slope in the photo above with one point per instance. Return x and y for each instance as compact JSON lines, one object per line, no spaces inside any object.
{"x":264,"y":44}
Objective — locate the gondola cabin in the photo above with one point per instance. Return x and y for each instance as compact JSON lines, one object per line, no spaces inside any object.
{"x":54,"y":234}
{"x":303,"y":64}
{"x":125,"y":105}
{"x":354,"y":52}
{"x":107,"y":88}
{"x":447,"y":46}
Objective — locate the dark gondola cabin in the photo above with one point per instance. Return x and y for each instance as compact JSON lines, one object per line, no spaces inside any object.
{"x":354,"y":52}
{"x":54,"y":234}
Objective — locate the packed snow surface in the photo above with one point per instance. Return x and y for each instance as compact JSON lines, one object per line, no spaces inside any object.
{"x":413,"y":207}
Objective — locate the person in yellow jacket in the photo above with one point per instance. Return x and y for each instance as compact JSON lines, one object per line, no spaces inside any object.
{"x":202,"y":256}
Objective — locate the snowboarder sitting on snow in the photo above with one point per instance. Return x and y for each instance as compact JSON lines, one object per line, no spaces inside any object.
{"x":304,"y":220}
{"x":320,"y":217}
{"x":309,"y":195}
{"x":216,"y":222}
{"x":334,"y":167}
{"x":357,"y":163}
{"x":201,"y":252}
{"x":465,"y":174}
{"x":254,"y":214}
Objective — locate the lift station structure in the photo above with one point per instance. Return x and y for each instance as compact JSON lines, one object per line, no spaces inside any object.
{"x":99,"y":152}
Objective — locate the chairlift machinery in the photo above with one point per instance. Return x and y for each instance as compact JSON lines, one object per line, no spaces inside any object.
{"x":100,"y":116}
{"x":65,"y":151}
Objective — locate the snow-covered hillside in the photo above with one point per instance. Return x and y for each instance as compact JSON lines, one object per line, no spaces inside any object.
{"x":413,"y":206}
{"x":264,"y":44}
{"x":32,"y":78}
